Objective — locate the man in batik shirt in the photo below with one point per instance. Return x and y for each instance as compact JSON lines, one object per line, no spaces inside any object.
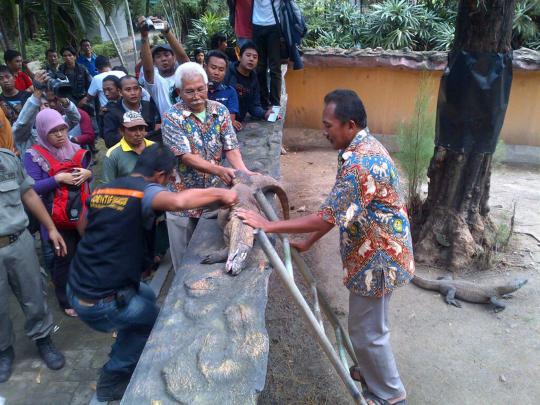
{"x":375,"y":239}
{"x":200,"y":133}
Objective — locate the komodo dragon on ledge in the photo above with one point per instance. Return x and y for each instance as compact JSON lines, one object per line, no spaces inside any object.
{"x":471,"y":292}
{"x":238,"y":236}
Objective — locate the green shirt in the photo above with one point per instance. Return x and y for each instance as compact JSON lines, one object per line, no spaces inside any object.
{"x":120,"y":160}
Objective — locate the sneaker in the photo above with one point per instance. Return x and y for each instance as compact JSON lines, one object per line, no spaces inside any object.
{"x":6,"y":363}
{"x":50,"y":354}
{"x":111,"y":386}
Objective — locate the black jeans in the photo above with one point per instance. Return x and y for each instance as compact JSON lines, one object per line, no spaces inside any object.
{"x":60,"y":271}
{"x":267,"y":39}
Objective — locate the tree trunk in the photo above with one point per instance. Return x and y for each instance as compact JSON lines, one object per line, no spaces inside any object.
{"x":109,"y":33}
{"x":22,"y":34}
{"x":49,"y":12}
{"x":4,"y":33}
{"x":454,"y":228}
{"x":119,"y":42}
{"x":131,"y":33}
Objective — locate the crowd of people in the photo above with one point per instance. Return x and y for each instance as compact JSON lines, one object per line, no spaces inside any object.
{"x":171,"y":122}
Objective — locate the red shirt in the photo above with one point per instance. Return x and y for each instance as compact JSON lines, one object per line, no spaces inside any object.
{"x":242,"y":19}
{"x":22,"y":81}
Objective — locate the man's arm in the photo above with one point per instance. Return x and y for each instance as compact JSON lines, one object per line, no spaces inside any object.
{"x":34,"y":204}
{"x":234,"y":157}
{"x":73,"y":117}
{"x":197,"y":162}
{"x":146,"y":53}
{"x":254,"y":103}
{"x":192,"y":198}
{"x":178,"y":49}
{"x":306,"y":224}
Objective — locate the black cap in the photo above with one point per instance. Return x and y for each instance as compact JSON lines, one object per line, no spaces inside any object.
{"x":161,"y":47}
{"x":155,"y":158}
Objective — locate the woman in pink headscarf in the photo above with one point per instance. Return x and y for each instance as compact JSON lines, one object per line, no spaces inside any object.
{"x":54,"y":151}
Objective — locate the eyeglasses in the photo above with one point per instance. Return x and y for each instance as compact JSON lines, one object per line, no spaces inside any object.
{"x":191,"y":93}
{"x":58,"y":132}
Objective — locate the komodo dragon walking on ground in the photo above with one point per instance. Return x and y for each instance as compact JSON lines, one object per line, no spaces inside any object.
{"x":471,"y":292}
{"x":238,"y":236}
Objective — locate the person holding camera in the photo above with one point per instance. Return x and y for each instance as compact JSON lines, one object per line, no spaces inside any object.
{"x":24,"y":133}
{"x":104,"y":283}
{"x":160,"y":63}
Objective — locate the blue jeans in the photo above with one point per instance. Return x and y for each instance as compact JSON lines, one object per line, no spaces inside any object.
{"x":133,"y":323}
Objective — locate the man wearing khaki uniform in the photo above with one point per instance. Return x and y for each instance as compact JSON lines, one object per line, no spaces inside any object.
{"x":19,"y":267}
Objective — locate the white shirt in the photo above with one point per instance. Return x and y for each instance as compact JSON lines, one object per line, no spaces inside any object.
{"x":96,"y":86}
{"x":162,"y":90}
{"x":262,"y":12}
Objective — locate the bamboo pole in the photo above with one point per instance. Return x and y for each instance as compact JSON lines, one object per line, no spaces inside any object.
{"x":321,"y":337}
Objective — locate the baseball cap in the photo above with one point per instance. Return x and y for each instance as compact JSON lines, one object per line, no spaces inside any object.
{"x":132,"y":119}
{"x":161,"y":47}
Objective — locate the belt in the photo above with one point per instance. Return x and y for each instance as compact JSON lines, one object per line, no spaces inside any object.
{"x":90,"y":303}
{"x":9,"y":239}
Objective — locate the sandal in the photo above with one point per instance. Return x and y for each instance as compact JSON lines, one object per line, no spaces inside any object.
{"x":356,"y":375}
{"x":375,"y":400}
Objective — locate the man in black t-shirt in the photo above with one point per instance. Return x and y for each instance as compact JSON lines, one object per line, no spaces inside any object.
{"x":104,"y":284}
{"x":243,"y":77}
{"x":11,"y":99}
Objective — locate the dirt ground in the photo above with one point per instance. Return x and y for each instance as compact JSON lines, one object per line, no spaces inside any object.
{"x":445,"y":355}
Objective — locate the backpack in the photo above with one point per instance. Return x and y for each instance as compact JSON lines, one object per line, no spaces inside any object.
{"x":68,"y":201}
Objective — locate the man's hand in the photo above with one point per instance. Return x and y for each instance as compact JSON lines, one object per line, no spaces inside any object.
{"x":141,"y":21}
{"x":58,"y":243}
{"x":226,"y":174}
{"x":267,"y":114}
{"x":237,"y":125}
{"x":250,"y":173}
{"x":40,"y":80}
{"x":253,"y":219}
{"x":302,"y":245}
{"x":229,"y":198}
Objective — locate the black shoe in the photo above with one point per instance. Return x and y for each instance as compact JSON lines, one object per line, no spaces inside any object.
{"x":111,"y":386}
{"x":6,"y":363}
{"x":50,"y":354}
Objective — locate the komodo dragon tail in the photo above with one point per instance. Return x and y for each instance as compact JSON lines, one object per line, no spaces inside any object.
{"x":425,"y":283}
{"x":269,"y":184}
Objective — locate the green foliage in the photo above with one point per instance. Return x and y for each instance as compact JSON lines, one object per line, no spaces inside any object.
{"x":525,"y":25}
{"x":35,"y":49}
{"x":204,"y":28}
{"x":105,"y":48}
{"x":416,"y":142}
{"x":397,"y":24}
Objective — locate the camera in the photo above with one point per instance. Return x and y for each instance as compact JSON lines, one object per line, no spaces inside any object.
{"x":150,"y":25}
{"x":58,"y":83}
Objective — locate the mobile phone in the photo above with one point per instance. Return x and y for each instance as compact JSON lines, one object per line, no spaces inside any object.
{"x":274,"y":114}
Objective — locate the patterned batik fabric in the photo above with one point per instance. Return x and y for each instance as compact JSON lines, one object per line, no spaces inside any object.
{"x":367,"y":205}
{"x":184,"y":133}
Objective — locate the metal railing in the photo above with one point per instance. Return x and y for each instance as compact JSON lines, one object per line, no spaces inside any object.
{"x":313,"y":318}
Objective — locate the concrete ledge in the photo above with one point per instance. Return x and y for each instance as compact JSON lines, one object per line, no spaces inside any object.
{"x":524,"y":58}
{"x":209,"y":344}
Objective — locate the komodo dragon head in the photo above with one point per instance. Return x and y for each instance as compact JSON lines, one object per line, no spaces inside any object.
{"x":240,"y":235}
